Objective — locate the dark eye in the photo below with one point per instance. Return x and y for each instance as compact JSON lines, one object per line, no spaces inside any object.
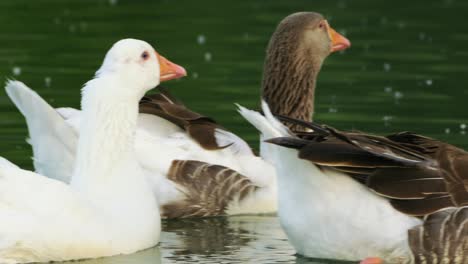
{"x":322,"y":24}
{"x":145,"y":55}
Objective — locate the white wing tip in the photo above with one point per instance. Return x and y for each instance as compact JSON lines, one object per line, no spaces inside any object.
{"x":12,"y":85}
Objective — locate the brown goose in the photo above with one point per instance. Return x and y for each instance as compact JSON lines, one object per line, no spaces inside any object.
{"x":405,"y":196}
{"x":178,"y":143}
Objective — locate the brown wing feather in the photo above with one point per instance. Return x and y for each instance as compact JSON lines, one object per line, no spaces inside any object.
{"x":421,"y":175}
{"x":442,"y":238}
{"x":421,"y":207}
{"x":407,"y":183}
{"x":200,"y":128}
{"x":209,"y":189}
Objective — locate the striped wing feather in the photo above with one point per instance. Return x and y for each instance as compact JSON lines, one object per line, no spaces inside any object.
{"x":209,"y":189}
{"x":442,"y":238}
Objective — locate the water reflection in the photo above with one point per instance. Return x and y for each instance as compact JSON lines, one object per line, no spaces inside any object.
{"x":148,"y":256}
{"x":238,"y":239}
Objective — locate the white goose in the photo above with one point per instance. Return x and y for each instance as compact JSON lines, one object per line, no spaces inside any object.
{"x":172,"y":148}
{"x":108,"y":208}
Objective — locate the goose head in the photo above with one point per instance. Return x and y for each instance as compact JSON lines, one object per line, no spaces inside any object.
{"x":294,"y":57}
{"x":136,"y":62}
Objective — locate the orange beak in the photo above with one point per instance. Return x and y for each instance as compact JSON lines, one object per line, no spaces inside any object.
{"x":339,"y":42}
{"x":169,"y":70}
{"x":372,"y":261}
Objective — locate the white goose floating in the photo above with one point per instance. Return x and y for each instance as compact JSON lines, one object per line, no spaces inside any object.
{"x":108,"y":208}
{"x":401,"y":198}
{"x":175,"y":145}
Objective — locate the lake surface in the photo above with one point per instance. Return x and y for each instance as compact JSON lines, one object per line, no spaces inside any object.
{"x":406,"y":70}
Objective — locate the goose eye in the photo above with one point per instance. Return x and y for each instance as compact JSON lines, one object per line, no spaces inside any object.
{"x":145,"y":55}
{"x":322,"y":25}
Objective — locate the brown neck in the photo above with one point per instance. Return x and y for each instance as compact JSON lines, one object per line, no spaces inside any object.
{"x":289,"y":81}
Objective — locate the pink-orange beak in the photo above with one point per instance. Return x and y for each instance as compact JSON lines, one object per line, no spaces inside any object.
{"x":372,"y":260}
{"x":169,"y":70}
{"x":339,"y":42}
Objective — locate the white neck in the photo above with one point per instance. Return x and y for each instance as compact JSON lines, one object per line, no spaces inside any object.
{"x":105,"y":147}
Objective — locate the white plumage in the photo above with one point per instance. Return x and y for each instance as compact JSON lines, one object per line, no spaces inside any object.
{"x":327,"y":214}
{"x":108,"y":208}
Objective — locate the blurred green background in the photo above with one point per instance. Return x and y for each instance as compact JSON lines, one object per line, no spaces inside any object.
{"x":406,"y":69}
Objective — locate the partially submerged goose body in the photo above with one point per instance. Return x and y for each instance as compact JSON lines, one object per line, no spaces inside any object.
{"x":108,"y":207}
{"x":224,"y":170}
{"x":403,"y":184}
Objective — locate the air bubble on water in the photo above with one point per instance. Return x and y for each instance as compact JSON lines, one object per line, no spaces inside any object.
{"x":398,"y":95}
{"x":16,"y":70}
{"x":422,"y":36}
{"x":201,"y":39}
{"x":383,"y":20}
{"x":83,"y":26}
{"x":208,"y":56}
{"x":387,"y":120}
{"x":428,"y":82}
{"x":463,"y":126}
{"x":195,"y":75}
{"x":341,"y":4}
{"x":447,"y":131}
{"x":387,"y":67}
{"x":47,"y":81}
{"x":113,"y":2}
{"x":388,"y":89}
{"x":72,"y":28}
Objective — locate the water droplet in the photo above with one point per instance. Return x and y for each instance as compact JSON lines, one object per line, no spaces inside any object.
{"x":195,"y":75}
{"x":341,"y":4}
{"x":83,"y":26}
{"x":422,"y":36}
{"x":463,"y":132}
{"x":201,"y":39}
{"x":16,"y":70}
{"x":332,"y":110}
{"x":388,"y":89}
{"x":208,"y":56}
{"x":447,"y":131}
{"x":387,"y":67}
{"x":429,"y":82}
{"x":387,"y":120}
{"x":47,"y":81}
{"x":383,"y":20}
{"x":113,"y":2}
{"x":398,"y":95}
{"x":463,"y":126}
{"x":72,"y":28}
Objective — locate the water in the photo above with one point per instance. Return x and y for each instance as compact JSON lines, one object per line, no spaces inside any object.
{"x":406,"y":70}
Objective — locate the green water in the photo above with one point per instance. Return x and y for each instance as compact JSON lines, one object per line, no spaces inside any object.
{"x":406,"y":70}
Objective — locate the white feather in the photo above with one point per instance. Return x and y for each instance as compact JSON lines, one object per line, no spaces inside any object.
{"x":108,"y":209}
{"x":327,"y":214}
